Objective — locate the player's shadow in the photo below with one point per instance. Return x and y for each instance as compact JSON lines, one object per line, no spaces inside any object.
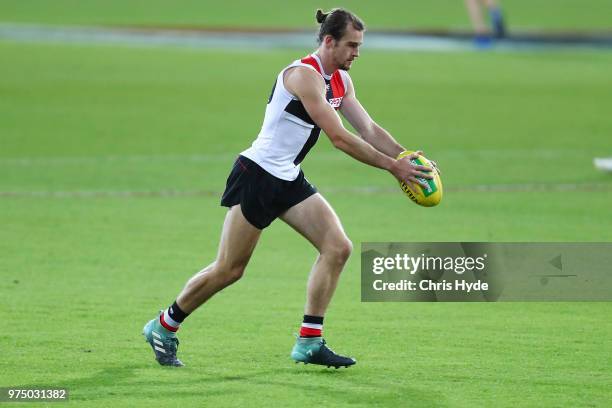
{"x":384,"y":391}
{"x":116,"y":382}
{"x":113,"y":383}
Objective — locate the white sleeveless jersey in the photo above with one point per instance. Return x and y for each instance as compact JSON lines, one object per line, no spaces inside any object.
{"x":288,"y":132}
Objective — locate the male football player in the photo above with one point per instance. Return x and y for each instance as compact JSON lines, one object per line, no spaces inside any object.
{"x":266,"y":183}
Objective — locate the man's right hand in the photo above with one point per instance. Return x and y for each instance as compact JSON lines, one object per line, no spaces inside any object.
{"x":404,"y":170}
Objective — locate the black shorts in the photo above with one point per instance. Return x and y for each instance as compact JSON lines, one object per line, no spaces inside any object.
{"x":263,"y":197}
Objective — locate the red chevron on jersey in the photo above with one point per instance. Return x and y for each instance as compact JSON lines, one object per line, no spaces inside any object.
{"x":334,"y":98}
{"x":310,"y":60}
{"x":337,"y":85}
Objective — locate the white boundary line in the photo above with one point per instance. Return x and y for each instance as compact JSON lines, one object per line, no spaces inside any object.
{"x":228,"y":157}
{"x":60,"y":161}
{"x":363,"y":190}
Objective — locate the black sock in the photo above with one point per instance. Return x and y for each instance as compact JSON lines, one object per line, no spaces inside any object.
{"x":176,"y":313}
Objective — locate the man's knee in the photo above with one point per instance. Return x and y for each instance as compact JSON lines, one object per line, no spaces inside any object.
{"x":339,"y":250}
{"x":230,"y":273}
{"x":345,"y":250}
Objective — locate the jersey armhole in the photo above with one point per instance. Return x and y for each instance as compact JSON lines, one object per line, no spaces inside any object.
{"x":281,"y":77}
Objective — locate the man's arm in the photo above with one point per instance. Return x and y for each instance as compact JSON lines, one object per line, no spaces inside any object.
{"x":369,"y":130}
{"x":309,"y":88}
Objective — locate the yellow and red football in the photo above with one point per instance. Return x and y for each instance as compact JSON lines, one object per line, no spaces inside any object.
{"x":425,"y":196}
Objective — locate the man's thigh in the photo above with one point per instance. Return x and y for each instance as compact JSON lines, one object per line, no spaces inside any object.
{"x":316,"y":220}
{"x":238,"y":239}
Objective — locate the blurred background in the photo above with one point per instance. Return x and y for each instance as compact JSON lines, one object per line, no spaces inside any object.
{"x":120,"y":120}
{"x":118,"y":97}
{"x":536,"y":15}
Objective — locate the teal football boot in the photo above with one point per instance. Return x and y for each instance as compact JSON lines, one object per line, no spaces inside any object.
{"x":163,"y":342}
{"x":313,"y":350}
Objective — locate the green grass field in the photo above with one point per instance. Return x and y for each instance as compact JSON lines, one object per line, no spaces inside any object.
{"x":91,"y":136}
{"x":382,"y":14}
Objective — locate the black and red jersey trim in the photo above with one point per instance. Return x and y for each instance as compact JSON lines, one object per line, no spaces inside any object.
{"x":335,"y":91}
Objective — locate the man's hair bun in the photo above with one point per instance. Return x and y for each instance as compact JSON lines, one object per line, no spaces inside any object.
{"x":321,"y":16}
